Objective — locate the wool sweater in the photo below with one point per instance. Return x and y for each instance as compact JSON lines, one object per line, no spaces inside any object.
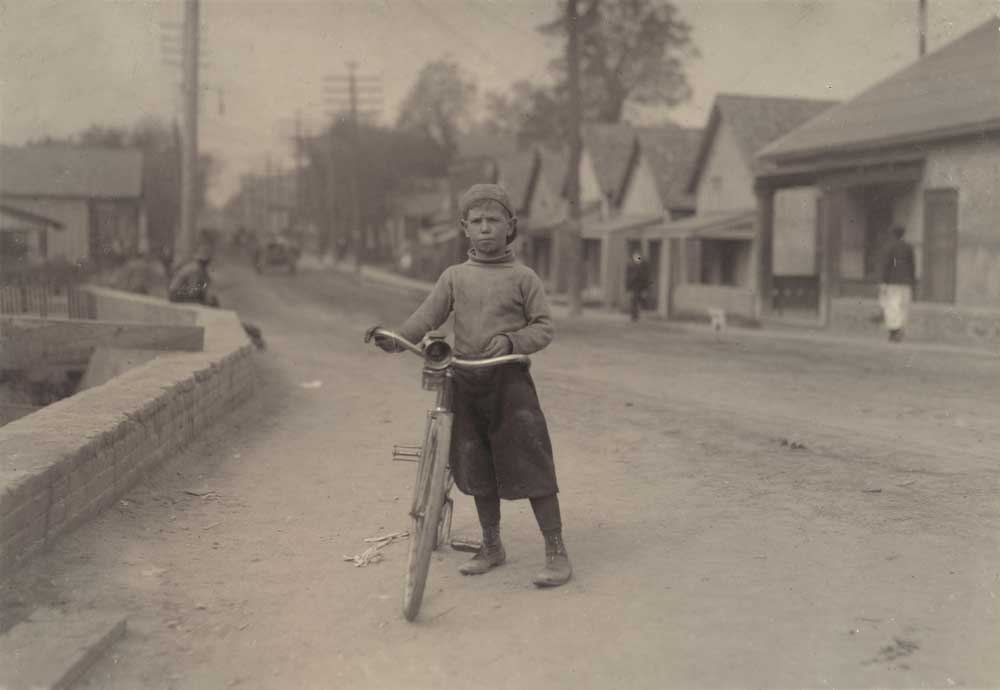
{"x":488,"y":297}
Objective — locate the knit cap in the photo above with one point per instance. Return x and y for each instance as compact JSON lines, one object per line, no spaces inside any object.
{"x":485,"y":192}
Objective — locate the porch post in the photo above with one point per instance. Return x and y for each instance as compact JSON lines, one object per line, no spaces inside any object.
{"x":764,"y":249}
{"x":831,"y":205}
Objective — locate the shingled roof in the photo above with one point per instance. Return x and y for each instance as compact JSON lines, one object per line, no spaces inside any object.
{"x":70,"y":172}
{"x":755,"y":121}
{"x":670,"y":151}
{"x":514,"y":172}
{"x":951,"y":91}
{"x":610,"y":147}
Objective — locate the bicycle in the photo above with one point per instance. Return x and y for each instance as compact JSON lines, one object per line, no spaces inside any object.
{"x":432,"y":506}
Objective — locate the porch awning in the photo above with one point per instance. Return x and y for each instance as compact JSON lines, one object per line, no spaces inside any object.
{"x":593,"y":230}
{"x":437,"y":234}
{"x":13,"y":218}
{"x":722,"y":225}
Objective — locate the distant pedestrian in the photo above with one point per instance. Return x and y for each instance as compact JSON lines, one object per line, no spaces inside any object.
{"x":637,"y":282}
{"x":898,"y":282}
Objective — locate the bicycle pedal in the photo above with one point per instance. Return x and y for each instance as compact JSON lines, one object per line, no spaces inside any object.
{"x":470,"y":545}
{"x":406,"y":453}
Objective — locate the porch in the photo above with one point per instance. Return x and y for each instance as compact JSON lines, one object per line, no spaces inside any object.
{"x":856,"y":207}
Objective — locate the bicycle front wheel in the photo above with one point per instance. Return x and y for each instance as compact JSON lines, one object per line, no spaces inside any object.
{"x":428,"y":502}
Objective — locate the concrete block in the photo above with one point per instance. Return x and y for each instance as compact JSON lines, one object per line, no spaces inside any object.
{"x":53,"y":649}
{"x":22,"y":516}
{"x":107,"y":362}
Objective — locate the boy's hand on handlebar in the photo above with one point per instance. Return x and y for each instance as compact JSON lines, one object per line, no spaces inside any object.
{"x":383,"y":341}
{"x":498,"y":346}
{"x":388,"y":344}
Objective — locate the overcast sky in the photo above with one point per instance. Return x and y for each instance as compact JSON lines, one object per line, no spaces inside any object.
{"x":65,"y":64}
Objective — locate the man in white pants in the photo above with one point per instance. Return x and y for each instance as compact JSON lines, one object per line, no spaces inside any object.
{"x":898,"y":282}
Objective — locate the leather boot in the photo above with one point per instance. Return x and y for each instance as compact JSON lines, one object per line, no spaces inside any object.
{"x":557,"y":570}
{"x":490,"y":554}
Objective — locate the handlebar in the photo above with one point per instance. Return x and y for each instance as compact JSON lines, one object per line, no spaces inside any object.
{"x":450,"y":359}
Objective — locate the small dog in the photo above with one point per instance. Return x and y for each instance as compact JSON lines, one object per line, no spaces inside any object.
{"x":717,"y":317}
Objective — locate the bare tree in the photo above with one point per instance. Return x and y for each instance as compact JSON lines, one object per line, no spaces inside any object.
{"x":439,"y":103}
{"x":630,"y":51}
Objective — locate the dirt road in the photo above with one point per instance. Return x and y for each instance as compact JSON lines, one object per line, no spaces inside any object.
{"x":741,"y":511}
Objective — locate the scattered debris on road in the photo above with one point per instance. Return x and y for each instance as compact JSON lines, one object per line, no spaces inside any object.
{"x":371,"y":554}
{"x":794,"y":445}
{"x":311,"y":384}
{"x":205,"y":495}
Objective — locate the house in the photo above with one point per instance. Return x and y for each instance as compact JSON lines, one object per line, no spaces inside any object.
{"x":662,"y":158}
{"x":548,"y":213}
{"x":24,"y":236}
{"x":919,"y":149}
{"x":422,"y":205}
{"x":712,"y":250}
{"x":94,"y":194}
{"x":618,"y":195}
{"x":631,"y":179}
{"x":266,"y":203}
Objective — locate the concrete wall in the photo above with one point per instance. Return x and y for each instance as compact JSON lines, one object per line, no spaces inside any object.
{"x":973,"y":169}
{"x":939,"y":323}
{"x":69,"y":461}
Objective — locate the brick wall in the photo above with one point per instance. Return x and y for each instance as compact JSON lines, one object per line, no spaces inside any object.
{"x":69,"y":461}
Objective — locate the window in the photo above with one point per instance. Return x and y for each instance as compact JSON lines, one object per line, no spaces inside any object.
{"x":13,"y":246}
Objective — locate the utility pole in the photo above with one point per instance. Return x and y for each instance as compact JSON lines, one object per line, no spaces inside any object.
{"x":361,"y":98}
{"x":189,"y":137}
{"x":299,"y":171}
{"x":269,"y":195}
{"x":922,"y":19}
{"x":573,"y":241}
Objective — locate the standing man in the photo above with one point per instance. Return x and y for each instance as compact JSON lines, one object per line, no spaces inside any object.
{"x":899,"y":278}
{"x":636,"y":283}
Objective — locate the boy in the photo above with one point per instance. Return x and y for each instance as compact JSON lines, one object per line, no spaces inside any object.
{"x":500,"y":441}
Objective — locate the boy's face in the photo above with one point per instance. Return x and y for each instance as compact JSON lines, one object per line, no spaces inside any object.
{"x":487,"y":226}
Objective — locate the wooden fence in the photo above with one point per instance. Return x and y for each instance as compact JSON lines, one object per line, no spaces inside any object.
{"x":45,"y":291}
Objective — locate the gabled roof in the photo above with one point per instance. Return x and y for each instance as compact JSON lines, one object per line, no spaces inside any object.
{"x":670,"y":151}
{"x":610,"y":147}
{"x":954,"y":90}
{"x":555,"y":166}
{"x":755,"y":121}
{"x":70,"y":172}
{"x":515,"y":171}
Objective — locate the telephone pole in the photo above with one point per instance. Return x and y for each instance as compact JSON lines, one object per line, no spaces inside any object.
{"x":573,"y":241}
{"x":358,"y":96}
{"x":300,"y":197}
{"x":922,"y":21}
{"x":189,"y":136}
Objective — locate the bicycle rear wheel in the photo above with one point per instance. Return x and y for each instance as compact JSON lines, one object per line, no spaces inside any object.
{"x":429,"y":495}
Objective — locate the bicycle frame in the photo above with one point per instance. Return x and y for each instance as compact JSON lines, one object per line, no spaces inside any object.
{"x":431,"y":507}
